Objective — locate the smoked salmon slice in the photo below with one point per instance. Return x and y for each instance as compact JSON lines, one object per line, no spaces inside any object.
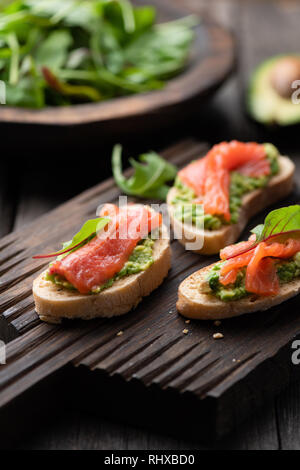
{"x":232,"y":250}
{"x":234,"y":264}
{"x":105,"y":255}
{"x":261,"y":276}
{"x":216,"y":188}
{"x":235,"y":154}
{"x":229,"y":277}
{"x":255,"y":168}
{"x":193,"y":175}
{"x":283,"y":250}
{"x":209,"y":177}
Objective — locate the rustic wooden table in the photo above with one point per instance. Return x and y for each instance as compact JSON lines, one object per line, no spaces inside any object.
{"x":262,"y":28}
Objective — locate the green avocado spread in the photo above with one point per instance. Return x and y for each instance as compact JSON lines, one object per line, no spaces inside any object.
{"x":286,"y":270}
{"x":187,"y":211}
{"x":140,"y":259}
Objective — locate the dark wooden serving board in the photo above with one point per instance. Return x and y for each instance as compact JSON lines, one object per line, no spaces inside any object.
{"x":153,"y":374}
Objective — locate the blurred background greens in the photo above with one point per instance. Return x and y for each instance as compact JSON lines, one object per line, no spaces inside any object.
{"x":56,"y":53}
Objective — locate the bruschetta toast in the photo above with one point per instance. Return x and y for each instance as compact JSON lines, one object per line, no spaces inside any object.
{"x":109,"y":274}
{"x":251,"y":276}
{"x":215,"y":197}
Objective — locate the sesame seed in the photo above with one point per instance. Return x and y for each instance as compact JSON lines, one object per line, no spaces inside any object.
{"x":218,"y":336}
{"x":187,"y":321}
{"x":185,"y":331}
{"x":120,"y":333}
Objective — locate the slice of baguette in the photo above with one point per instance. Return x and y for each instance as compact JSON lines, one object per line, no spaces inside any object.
{"x":193,"y":303}
{"x":53,"y":303}
{"x":279,"y":187}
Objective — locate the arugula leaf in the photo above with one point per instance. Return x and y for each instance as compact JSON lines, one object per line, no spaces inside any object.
{"x":53,"y":52}
{"x":83,"y":14}
{"x":128,"y":15}
{"x":14,"y":61}
{"x":89,"y":229}
{"x":108,"y":47}
{"x":27,"y":93}
{"x":149,"y":178}
{"x":144,"y":18}
{"x":164,"y":52}
{"x":68,"y":89}
{"x":77,"y":57}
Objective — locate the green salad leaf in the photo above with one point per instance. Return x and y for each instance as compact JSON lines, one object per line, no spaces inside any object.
{"x":89,"y":229}
{"x":258,"y":230}
{"x":280,"y":221}
{"x":68,"y":89}
{"x":149,"y":178}
{"x":53,"y":51}
{"x":96,"y":49}
{"x":279,"y":225}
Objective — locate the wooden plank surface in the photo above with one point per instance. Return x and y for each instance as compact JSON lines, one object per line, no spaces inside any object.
{"x":153,"y":349}
{"x":276,"y":426}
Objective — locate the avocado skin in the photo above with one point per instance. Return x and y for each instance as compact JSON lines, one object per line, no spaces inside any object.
{"x":264,"y":104}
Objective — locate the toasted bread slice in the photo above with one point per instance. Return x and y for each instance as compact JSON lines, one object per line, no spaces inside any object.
{"x":52,"y":303}
{"x":279,"y":187}
{"x":193,"y":303}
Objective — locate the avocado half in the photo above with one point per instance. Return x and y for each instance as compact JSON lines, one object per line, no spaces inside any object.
{"x":264,"y":102}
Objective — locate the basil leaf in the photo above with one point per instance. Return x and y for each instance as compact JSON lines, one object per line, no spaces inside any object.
{"x":89,"y":229}
{"x":151,"y":174}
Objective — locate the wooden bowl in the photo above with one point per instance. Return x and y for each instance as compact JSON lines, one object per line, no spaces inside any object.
{"x":211,"y":61}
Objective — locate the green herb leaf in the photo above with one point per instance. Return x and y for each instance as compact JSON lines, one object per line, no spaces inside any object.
{"x":14,"y":61}
{"x":53,"y":52}
{"x":280,"y":221}
{"x":89,"y":229}
{"x":83,"y":91}
{"x":258,"y":230}
{"x":27,"y":93}
{"x":149,"y":178}
{"x":162,"y":51}
{"x":279,"y":225}
{"x":128,"y":15}
{"x":106,"y":48}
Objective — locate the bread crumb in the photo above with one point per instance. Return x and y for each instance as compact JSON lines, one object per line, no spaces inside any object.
{"x":185,"y":331}
{"x":217,"y":323}
{"x":187,"y":321}
{"x":120,"y":333}
{"x":218,"y":336}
